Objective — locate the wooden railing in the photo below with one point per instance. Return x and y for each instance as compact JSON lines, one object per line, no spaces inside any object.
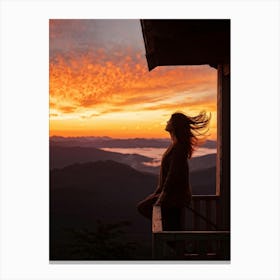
{"x":202,"y":239}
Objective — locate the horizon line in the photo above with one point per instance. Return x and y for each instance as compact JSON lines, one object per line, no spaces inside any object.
{"x":119,"y":138}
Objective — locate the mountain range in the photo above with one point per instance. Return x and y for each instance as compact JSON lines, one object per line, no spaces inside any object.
{"x":84,"y":193}
{"x":61,"y":156}
{"x":93,"y":198}
{"x":108,"y":142}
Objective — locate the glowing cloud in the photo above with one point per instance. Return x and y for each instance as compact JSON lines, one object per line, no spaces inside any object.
{"x":97,"y":90}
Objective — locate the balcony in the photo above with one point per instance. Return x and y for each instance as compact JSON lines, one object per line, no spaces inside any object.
{"x":202,"y":238}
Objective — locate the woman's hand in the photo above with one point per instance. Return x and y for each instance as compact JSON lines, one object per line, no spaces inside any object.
{"x":158,"y":203}
{"x":160,"y":199}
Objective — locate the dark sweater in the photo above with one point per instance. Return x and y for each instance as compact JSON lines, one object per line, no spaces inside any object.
{"x":174,"y":177}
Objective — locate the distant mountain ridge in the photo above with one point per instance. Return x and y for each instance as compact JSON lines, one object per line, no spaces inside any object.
{"x":108,"y":142}
{"x":61,"y":156}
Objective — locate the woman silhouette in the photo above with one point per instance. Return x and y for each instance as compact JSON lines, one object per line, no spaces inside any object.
{"x":173,"y":192}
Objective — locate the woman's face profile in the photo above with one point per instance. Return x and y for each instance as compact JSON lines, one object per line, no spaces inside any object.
{"x":169,"y":126}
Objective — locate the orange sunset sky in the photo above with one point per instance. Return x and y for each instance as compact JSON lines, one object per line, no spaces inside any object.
{"x":100,"y":85}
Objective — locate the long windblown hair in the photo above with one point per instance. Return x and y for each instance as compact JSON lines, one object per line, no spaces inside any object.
{"x":190,"y":131}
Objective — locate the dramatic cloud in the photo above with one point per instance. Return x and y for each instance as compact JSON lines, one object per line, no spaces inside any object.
{"x":85,"y":83}
{"x":98,"y":69}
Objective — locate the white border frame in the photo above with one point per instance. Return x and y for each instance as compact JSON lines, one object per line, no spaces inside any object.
{"x":254,"y":143}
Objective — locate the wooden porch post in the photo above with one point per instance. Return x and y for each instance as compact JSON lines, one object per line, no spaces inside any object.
{"x":223,"y":145}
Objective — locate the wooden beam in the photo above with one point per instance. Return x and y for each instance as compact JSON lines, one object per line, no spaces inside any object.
{"x":193,"y":235}
{"x":223,"y":144}
{"x":205,"y":197}
{"x":157,"y":219}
